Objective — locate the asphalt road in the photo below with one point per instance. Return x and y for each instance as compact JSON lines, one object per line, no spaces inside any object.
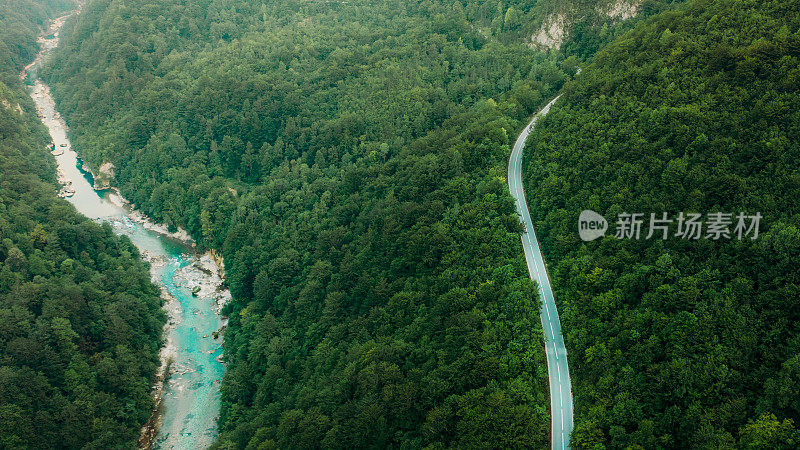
{"x":557,"y":369}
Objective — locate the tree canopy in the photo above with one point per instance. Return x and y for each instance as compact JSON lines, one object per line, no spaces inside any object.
{"x":348,"y":159}
{"x":80,"y":322}
{"x":680,"y":343}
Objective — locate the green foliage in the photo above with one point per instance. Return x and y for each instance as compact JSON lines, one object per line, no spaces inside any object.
{"x":348,"y":158}
{"x":590,"y":26}
{"x":675,"y":343}
{"x":21,"y":20}
{"x":80,"y":322}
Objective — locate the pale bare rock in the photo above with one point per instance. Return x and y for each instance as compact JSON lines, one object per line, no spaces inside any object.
{"x":551,"y":35}
{"x":556,"y":27}
{"x":219,"y":262}
{"x":105,"y":176}
{"x":207,"y":273}
{"x":181,"y":235}
{"x":62,"y":178}
{"x":167,"y":354}
{"x":150,"y":429}
{"x":621,"y":10}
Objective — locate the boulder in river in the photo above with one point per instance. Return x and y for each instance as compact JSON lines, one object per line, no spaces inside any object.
{"x":66,"y":191}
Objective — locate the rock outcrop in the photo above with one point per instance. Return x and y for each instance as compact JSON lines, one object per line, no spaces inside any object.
{"x":104,"y":177}
{"x":556,"y":27}
{"x":621,"y":10}
{"x":552,"y":33}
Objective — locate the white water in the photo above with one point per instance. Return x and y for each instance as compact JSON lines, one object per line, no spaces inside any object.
{"x":189,"y":399}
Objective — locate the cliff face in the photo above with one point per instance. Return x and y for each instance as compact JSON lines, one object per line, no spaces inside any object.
{"x":551,"y":35}
{"x":621,"y":10}
{"x":557,"y":26}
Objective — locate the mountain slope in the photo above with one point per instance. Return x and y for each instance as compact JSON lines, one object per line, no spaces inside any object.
{"x":680,"y":342}
{"x":348,"y":159}
{"x":80,"y":322}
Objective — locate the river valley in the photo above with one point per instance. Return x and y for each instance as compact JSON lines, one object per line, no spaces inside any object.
{"x":187,"y":389}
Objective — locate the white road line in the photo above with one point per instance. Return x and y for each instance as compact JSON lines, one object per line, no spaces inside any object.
{"x":533,"y":259}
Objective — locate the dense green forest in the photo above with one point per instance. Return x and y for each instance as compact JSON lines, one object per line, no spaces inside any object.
{"x":348,"y":159}
{"x":678,"y":343}
{"x":80,"y":322}
{"x":20,"y":21}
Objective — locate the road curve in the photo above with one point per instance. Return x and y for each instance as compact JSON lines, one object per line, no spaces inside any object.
{"x":557,"y":369}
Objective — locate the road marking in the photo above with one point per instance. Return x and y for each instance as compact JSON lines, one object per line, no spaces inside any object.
{"x":533,"y":259}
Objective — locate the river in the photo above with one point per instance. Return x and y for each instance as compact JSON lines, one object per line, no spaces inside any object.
{"x":189,"y":399}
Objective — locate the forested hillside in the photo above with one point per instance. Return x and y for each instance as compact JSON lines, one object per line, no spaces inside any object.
{"x":80,"y":322}
{"x":348,"y":159}
{"x":680,"y":343}
{"x":20,"y":20}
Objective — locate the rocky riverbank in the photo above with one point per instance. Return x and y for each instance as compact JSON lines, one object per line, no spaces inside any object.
{"x":192,"y":340}
{"x":167,"y":353}
{"x":206,"y":274}
{"x":181,"y":235}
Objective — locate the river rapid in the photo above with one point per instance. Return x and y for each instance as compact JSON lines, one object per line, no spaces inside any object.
{"x":186,"y":389}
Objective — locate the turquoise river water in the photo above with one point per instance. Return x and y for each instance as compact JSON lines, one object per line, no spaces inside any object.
{"x":190,"y":396}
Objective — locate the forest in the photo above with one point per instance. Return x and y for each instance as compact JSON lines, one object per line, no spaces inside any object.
{"x":80,"y":322}
{"x":348,"y":159}
{"x":21,"y":21}
{"x":680,"y":343}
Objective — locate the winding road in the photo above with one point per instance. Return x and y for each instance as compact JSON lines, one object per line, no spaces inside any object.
{"x":557,"y":369}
